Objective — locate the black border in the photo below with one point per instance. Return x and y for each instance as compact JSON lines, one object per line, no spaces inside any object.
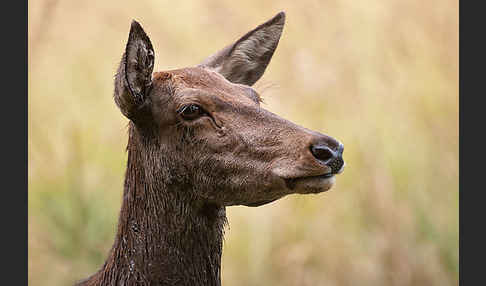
{"x":471,"y":149}
{"x":14,"y":82}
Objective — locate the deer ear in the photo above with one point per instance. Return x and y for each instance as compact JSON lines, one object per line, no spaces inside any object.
{"x":134,"y":76}
{"x":245,"y":60}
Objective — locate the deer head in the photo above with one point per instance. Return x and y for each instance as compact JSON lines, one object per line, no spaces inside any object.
{"x":206,"y":130}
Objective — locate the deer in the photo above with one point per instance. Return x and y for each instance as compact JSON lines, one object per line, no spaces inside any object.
{"x":198,"y":142}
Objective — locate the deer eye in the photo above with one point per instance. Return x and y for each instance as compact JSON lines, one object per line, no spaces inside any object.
{"x":191,"y":111}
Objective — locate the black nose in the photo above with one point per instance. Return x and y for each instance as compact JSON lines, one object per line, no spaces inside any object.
{"x":332,"y":158}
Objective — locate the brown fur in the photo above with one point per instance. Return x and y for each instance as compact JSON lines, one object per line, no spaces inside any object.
{"x":181,"y":174}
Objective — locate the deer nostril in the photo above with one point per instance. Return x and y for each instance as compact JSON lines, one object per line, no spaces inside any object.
{"x":322,"y":153}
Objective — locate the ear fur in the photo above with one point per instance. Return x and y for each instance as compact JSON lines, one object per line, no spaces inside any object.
{"x":245,"y":61}
{"x":134,"y":76}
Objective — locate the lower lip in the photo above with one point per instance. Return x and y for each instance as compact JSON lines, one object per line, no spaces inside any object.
{"x":316,"y":184}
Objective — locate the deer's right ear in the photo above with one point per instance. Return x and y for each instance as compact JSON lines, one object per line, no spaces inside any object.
{"x":134,"y":76}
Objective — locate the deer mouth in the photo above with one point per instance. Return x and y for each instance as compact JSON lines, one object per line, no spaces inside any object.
{"x":304,"y":185}
{"x":311,"y":184}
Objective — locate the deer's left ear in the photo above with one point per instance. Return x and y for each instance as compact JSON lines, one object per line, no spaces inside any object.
{"x":134,"y":76}
{"x":245,"y":60}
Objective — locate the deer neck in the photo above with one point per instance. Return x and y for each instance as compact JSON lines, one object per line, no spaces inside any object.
{"x":165,"y":236}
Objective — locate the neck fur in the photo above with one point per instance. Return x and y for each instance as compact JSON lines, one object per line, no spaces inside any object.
{"x":165,"y":235}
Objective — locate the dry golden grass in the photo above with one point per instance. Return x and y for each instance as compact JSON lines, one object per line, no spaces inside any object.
{"x":381,"y":76}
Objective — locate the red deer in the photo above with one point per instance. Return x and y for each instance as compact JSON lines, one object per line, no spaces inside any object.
{"x":199,"y":141}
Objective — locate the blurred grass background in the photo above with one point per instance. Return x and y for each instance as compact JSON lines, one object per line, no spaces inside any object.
{"x":380,"y":75}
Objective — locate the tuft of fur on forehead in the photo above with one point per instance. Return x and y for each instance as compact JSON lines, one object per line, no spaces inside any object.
{"x":162,"y":76}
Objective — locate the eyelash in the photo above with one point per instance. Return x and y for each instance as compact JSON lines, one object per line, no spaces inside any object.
{"x":191,"y":111}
